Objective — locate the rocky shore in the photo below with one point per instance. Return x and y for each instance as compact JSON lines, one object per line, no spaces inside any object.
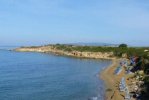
{"x":111,"y":80}
{"x":52,"y":49}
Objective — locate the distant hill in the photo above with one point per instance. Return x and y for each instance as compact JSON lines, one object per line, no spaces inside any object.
{"x":94,"y":44}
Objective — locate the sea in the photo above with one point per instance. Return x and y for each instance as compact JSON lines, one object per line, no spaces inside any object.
{"x":40,"y":76}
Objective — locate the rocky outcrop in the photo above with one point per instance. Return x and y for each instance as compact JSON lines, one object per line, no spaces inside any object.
{"x":52,"y":49}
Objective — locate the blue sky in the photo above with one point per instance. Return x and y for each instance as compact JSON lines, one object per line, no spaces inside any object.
{"x":35,"y":22}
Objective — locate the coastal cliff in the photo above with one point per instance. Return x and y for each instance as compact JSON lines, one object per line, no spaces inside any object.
{"x":74,"y":53}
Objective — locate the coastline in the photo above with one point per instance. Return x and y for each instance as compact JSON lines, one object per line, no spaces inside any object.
{"x":106,"y":75}
{"x":110,"y":80}
{"x":74,"y":53}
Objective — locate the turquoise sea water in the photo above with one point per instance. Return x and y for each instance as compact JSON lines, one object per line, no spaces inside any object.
{"x":37,"y":76}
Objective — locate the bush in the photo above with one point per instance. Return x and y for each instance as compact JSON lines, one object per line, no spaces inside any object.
{"x":123,"y":45}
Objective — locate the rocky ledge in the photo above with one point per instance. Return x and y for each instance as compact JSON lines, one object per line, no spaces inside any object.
{"x":74,"y":53}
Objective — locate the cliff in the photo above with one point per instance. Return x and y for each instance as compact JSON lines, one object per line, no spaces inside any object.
{"x":74,"y":53}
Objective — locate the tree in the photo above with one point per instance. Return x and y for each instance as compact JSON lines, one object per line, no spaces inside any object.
{"x":123,"y":45}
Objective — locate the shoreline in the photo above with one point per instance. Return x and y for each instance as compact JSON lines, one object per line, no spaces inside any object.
{"x":111,"y":92}
{"x":106,"y":74}
{"x":74,"y":53}
{"x":112,"y":82}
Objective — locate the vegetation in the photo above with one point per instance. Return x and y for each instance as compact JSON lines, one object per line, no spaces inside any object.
{"x":123,"y":45}
{"x":118,"y":51}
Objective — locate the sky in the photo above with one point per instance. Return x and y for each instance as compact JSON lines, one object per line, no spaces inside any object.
{"x":37,"y":22}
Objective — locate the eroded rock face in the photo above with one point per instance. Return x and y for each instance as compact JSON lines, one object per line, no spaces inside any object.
{"x":51,"y":49}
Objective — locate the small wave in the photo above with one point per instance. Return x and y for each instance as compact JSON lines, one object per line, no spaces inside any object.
{"x":93,"y":98}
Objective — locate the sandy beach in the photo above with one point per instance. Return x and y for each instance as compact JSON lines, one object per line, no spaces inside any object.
{"x":112,"y":81}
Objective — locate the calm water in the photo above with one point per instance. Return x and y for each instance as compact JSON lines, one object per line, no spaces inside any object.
{"x":37,"y":76}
